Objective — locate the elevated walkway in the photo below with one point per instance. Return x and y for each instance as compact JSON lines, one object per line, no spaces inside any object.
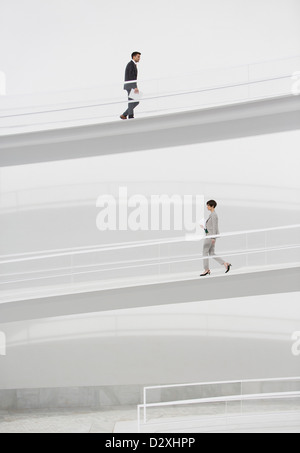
{"x":214,"y":104}
{"x":140,"y":293}
{"x":244,"y":119}
{"x":68,"y":282}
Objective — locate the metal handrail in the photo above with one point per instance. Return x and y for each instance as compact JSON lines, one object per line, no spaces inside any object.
{"x":229,"y":398}
{"x":83,"y":104}
{"x":139,"y":265}
{"x":220,"y":399}
{"x":235,"y":381}
{"x":162,"y":260}
{"x":4,"y":259}
{"x":215,"y":70}
{"x":162,"y":96}
{"x":241,"y":399}
{"x":165,"y":110}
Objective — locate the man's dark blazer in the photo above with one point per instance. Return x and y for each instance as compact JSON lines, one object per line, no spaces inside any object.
{"x":131,"y":73}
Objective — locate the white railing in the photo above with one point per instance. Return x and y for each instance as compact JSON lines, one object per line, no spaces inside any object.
{"x":157,"y":96}
{"x":161,"y":258}
{"x":180,"y":93}
{"x":224,"y":393}
{"x":4,"y":259}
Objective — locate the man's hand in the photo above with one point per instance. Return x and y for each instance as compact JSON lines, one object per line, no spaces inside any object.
{"x":213,"y":241}
{"x":137,"y":91}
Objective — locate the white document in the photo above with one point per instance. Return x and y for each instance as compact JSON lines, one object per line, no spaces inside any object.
{"x":135,"y":96}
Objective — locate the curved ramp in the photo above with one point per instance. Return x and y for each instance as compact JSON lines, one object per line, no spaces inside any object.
{"x":192,"y":289}
{"x":279,"y":114}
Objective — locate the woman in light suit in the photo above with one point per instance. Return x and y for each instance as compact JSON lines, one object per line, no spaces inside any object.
{"x":212,"y":228}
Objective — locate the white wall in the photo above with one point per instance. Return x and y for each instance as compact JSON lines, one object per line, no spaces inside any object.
{"x":53,"y":205}
{"x":192,"y":342}
{"x":62,"y":44}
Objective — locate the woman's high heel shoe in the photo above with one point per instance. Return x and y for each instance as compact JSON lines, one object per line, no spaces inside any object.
{"x":205,"y":274}
{"x":228,"y":268}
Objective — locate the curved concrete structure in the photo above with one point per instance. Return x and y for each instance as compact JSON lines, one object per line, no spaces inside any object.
{"x":171,"y":328}
{"x":184,"y":288}
{"x":226,"y":339}
{"x":250,"y":118}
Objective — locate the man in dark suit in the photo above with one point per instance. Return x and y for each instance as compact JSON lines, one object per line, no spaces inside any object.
{"x":131,"y":74}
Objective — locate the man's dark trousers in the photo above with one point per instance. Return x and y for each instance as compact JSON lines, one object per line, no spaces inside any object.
{"x":131,"y":74}
{"x":131,"y":106}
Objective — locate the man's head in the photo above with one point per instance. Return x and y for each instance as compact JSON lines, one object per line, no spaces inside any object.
{"x":136,"y":56}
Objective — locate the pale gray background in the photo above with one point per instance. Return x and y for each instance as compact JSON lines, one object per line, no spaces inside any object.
{"x":58,"y":45}
{"x":64,"y":44}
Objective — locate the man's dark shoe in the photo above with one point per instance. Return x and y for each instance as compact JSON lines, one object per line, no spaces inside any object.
{"x":131,"y":117}
{"x":123,"y":117}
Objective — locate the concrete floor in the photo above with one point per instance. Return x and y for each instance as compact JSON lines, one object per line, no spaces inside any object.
{"x":124,"y":420}
{"x":64,"y":421}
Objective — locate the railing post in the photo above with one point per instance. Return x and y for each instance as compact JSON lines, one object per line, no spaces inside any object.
{"x":2,"y":84}
{"x":139,"y":419}
{"x":145,"y":403}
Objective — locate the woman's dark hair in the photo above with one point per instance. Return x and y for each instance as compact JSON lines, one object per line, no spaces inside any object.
{"x":134,"y":54}
{"x":212,"y":203}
